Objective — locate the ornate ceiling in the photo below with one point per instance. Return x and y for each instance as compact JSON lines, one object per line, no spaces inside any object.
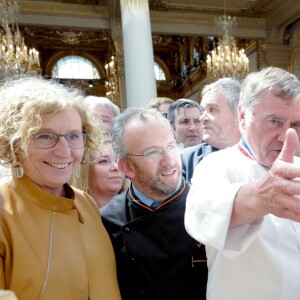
{"x":94,"y":26}
{"x":86,"y":23}
{"x":236,"y":7}
{"x":102,"y":13}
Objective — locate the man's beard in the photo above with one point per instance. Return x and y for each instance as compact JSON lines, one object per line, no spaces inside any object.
{"x":154,"y":186}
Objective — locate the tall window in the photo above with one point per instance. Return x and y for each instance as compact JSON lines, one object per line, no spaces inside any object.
{"x":75,"y":67}
{"x":159,"y":73}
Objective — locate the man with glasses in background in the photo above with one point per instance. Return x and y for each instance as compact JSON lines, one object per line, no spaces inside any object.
{"x":104,"y":109}
{"x":156,"y":258}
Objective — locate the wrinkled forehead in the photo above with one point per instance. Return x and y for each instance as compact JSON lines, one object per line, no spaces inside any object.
{"x":103,"y":111}
{"x":271,"y":105}
{"x":147,"y":132}
{"x":212,"y":97}
{"x":187,"y":112}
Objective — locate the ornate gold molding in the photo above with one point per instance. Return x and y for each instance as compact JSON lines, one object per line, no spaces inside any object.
{"x":63,"y":9}
{"x":258,"y":10}
{"x":280,"y":28}
{"x":135,"y":4}
{"x":202,"y":19}
{"x":89,"y":2}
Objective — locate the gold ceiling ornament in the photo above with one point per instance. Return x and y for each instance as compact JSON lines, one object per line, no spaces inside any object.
{"x":112,"y":83}
{"x":15,"y":57}
{"x":226,"y":60}
{"x":135,"y":4}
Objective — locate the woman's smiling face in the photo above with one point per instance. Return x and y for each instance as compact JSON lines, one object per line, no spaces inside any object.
{"x":52,"y":168}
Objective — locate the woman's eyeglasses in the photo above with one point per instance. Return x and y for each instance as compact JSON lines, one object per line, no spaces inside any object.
{"x":47,"y":140}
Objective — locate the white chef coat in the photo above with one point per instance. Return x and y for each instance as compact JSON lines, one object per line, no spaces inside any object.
{"x":256,"y":261}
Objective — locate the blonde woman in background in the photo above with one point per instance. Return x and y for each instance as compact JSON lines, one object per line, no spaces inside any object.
{"x":161,"y":104}
{"x":103,"y":179}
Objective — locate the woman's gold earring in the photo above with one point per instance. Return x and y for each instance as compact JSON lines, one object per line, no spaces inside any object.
{"x":17,"y":170}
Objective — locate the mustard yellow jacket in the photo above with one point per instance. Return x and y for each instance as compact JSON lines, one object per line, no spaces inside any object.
{"x":54,"y":248}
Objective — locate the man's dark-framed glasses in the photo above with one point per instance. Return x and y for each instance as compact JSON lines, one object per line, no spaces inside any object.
{"x":157,"y":153}
{"x":47,"y":140}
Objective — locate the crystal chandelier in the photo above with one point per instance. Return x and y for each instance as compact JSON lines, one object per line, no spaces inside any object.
{"x":226,"y":60}
{"x":111,"y":84}
{"x":15,"y":58}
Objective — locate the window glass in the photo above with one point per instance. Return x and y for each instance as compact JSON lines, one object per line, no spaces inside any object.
{"x":159,"y":73}
{"x":75,"y":67}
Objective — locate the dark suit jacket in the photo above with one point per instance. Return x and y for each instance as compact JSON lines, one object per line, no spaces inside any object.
{"x":191,"y":156}
{"x":156,"y":258}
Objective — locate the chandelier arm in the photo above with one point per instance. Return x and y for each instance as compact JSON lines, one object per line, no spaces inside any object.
{"x":226,"y":60}
{"x":15,"y":57}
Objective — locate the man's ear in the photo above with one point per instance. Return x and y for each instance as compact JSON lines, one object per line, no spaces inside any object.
{"x":125,"y":166}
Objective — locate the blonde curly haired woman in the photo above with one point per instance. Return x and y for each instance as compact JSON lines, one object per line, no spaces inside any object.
{"x":53,"y":244}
